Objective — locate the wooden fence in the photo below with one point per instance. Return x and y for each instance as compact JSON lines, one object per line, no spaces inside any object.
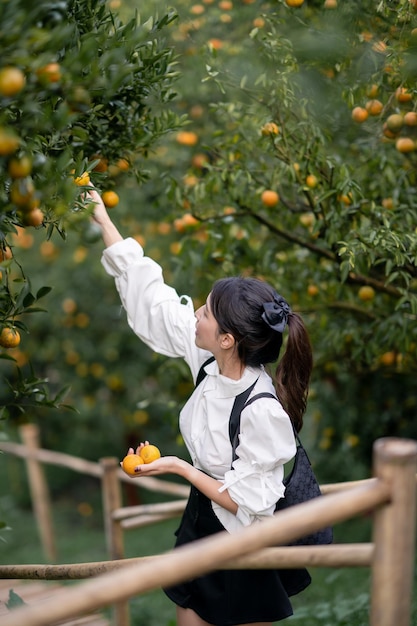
{"x":391,"y":495}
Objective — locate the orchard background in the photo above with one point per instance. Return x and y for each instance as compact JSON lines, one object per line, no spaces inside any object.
{"x":230,"y":137}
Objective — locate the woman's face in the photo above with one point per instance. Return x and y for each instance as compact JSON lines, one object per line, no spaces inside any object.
{"x":206,"y":328}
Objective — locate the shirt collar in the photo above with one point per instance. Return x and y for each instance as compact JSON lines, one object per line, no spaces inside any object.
{"x":227,"y":387}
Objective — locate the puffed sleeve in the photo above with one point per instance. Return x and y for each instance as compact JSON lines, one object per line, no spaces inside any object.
{"x":161,"y":318}
{"x":266,"y":443}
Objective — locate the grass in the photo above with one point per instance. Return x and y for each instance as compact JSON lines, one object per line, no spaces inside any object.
{"x":336,"y":597}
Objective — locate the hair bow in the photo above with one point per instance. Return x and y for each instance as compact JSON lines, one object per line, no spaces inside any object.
{"x":276,"y":313}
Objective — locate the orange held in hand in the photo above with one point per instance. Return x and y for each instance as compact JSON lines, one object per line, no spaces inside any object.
{"x":130,"y":462}
{"x":149,"y":453}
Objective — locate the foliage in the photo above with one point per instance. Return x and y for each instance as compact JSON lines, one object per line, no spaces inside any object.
{"x":80,"y":91}
{"x":267,"y":92}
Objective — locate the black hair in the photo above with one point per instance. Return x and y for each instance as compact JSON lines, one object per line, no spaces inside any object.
{"x":237,"y":306}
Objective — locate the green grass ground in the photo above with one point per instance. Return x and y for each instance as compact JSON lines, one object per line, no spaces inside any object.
{"x":336,"y":597}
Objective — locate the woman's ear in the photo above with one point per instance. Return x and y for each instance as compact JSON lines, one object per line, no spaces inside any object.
{"x":227,"y":341}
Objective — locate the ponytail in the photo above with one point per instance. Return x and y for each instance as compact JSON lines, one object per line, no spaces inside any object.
{"x":293,"y":372}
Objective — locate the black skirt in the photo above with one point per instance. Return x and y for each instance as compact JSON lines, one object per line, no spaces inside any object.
{"x":231,"y":597}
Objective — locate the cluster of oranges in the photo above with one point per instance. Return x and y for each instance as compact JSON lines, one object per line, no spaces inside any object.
{"x":148,"y":453}
{"x":399,"y":126}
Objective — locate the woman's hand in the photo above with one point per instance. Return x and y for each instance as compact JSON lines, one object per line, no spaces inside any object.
{"x":109,"y":231}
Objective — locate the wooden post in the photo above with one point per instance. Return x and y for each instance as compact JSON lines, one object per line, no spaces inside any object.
{"x":395,"y":462}
{"x":39,"y":491}
{"x":112,"y":500}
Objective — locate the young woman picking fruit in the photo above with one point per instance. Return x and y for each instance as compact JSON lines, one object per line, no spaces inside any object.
{"x":241,"y":325}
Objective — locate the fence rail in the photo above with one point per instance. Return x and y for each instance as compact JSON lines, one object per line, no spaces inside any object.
{"x":390,"y":495}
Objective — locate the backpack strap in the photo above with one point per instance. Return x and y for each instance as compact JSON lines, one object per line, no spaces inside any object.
{"x":240,"y":403}
{"x":201,"y":372}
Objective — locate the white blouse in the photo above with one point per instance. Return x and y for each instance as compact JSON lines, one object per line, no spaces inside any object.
{"x":165,"y":321}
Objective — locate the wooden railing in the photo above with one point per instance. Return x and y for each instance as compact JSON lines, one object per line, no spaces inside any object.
{"x":391,"y":495}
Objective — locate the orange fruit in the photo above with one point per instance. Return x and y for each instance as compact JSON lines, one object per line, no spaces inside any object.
{"x":312,"y":290}
{"x":388,"y":358}
{"x":22,"y":191}
{"x":102,"y":165}
{"x":359,"y":115}
{"x":123,"y":164}
{"x":410,"y":118}
{"x":374,"y":107}
{"x":150,"y":453}
{"x":405,"y":144}
{"x":294,"y":3}
{"x":34,"y":217}
{"x":270,"y":128}
{"x":12,"y":80}
{"x":110,"y":199}
{"x":403,"y":95}
{"x":130,"y":462}
{"x":50,"y":73}
{"x":311,"y":181}
{"x":269,"y":198}
{"x":9,"y":141}
{"x":82,"y":180}
{"x":366,"y":293}
{"x":19,"y":167}
{"x":9,"y":337}
{"x":5,"y":254}
{"x":187,"y":138}
{"x":395,"y":122}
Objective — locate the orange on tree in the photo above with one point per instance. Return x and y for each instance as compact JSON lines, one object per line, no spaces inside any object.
{"x":149,"y":453}
{"x":186,"y":138}
{"x":359,"y":114}
{"x":312,"y":181}
{"x":366,"y":293}
{"x":269,"y":198}
{"x":402,"y":94}
{"x":405,"y":144}
{"x":130,"y":462}
{"x":12,"y":81}
{"x":312,"y":290}
{"x":9,"y":141}
{"x":5,"y":254}
{"x":110,"y":198}
{"x":395,"y":122}
{"x":22,"y":191}
{"x":102,"y":165}
{"x":294,"y":3}
{"x":50,"y":73}
{"x":410,"y":118}
{"x":270,"y":128}
{"x":9,"y":337}
{"x":374,"y":107}
{"x":19,"y":167}
{"x":34,"y":217}
{"x":388,"y":358}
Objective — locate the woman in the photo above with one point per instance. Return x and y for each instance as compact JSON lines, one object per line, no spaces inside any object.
{"x":241,"y":325}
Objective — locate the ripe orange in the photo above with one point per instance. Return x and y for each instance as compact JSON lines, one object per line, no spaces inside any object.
{"x":19,"y":167}
{"x":187,"y":138}
{"x":5,"y":254}
{"x":359,"y":115}
{"x":294,"y":3}
{"x":312,"y":290}
{"x":82,"y":180}
{"x":269,"y":198}
{"x":405,"y":144}
{"x":102,"y":165}
{"x":34,"y":217}
{"x":366,"y":293}
{"x":311,"y":181}
{"x":22,"y":191}
{"x":388,"y":358}
{"x":150,"y":453}
{"x":9,"y":337}
{"x":50,"y":73}
{"x":403,"y":95}
{"x":9,"y":141}
{"x":110,"y":199}
{"x":374,"y":107}
{"x":130,"y":462}
{"x":410,"y":118}
{"x":12,"y":80}
{"x":270,"y":128}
